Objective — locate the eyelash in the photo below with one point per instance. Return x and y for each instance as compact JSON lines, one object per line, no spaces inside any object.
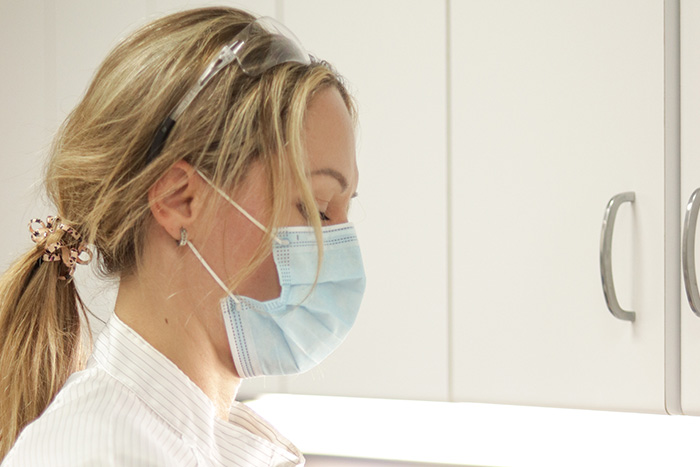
{"x":322,"y":215}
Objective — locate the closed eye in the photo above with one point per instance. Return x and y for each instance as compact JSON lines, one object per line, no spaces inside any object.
{"x":305,"y":214}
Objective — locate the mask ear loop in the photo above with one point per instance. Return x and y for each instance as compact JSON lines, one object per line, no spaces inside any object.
{"x":242,"y":211}
{"x":185,"y":241}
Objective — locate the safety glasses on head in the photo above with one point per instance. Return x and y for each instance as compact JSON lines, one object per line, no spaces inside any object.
{"x":260,"y":46}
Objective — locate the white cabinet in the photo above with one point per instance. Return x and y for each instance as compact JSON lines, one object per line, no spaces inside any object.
{"x":689,"y":182}
{"x":557,"y":107}
{"x":393,"y":57}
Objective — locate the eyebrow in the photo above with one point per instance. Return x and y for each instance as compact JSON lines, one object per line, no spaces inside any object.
{"x":333,"y":173}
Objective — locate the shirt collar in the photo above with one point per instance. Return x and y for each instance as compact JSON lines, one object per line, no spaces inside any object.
{"x":169,"y":392}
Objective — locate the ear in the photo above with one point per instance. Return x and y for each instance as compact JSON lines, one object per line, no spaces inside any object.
{"x":175,"y":199}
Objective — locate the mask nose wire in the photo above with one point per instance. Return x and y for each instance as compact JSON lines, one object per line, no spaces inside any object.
{"x":242,"y":211}
{"x":214,"y":275}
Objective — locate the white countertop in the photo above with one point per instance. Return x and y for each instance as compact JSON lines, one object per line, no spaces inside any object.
{"x":481,"y":434}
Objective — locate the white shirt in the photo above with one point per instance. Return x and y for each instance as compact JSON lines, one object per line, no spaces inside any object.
{"x":132,"y":406}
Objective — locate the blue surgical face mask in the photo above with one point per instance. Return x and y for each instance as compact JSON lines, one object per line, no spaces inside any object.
{"x":314,"y":312}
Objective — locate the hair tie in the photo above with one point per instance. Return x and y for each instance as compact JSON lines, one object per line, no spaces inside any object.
{"x":58,"y":250}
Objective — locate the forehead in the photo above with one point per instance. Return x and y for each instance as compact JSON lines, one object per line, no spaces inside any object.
{"x":330,"y":136}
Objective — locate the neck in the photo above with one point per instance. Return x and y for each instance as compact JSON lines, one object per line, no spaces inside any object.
{"x":183,"y":326}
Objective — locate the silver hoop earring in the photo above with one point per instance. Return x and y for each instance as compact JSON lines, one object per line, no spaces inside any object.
{"x":183,"y":237}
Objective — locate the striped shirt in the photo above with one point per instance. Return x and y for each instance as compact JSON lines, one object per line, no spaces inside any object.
{"x":132,"y":406}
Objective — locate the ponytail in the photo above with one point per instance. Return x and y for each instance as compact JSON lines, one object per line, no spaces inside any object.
{"x":39,"y":337}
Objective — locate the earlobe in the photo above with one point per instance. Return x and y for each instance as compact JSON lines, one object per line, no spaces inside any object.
{"x":173,"y":199}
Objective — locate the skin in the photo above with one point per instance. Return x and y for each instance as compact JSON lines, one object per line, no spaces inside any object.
{"x":174,"y":302}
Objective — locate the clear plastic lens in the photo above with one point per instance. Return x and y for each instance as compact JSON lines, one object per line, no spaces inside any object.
{"x":356,"y":212}
{"x":265,"y":43}
{"x":261,"y":45}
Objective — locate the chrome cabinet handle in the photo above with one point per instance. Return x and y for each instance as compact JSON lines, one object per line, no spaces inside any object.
{"x":605,"y":256}
{"x":688,"y":253}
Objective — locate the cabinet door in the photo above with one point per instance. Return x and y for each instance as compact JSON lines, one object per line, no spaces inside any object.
{"x":393,"y":58}
{"x":557,"y":107}
{"x":690,"y":181}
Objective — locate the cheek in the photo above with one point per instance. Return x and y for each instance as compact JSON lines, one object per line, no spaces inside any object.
{"x":263,"y":284}
{"x":237,"y":245}
{"x":239,"y":239}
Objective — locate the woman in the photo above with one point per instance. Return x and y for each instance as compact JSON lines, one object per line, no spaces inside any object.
{"x":210,"y":166}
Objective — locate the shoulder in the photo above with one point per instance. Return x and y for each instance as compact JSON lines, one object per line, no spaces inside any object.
{"x":96,"y":420}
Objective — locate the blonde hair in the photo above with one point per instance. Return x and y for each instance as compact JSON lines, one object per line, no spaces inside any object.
{"x":98,"y":179}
